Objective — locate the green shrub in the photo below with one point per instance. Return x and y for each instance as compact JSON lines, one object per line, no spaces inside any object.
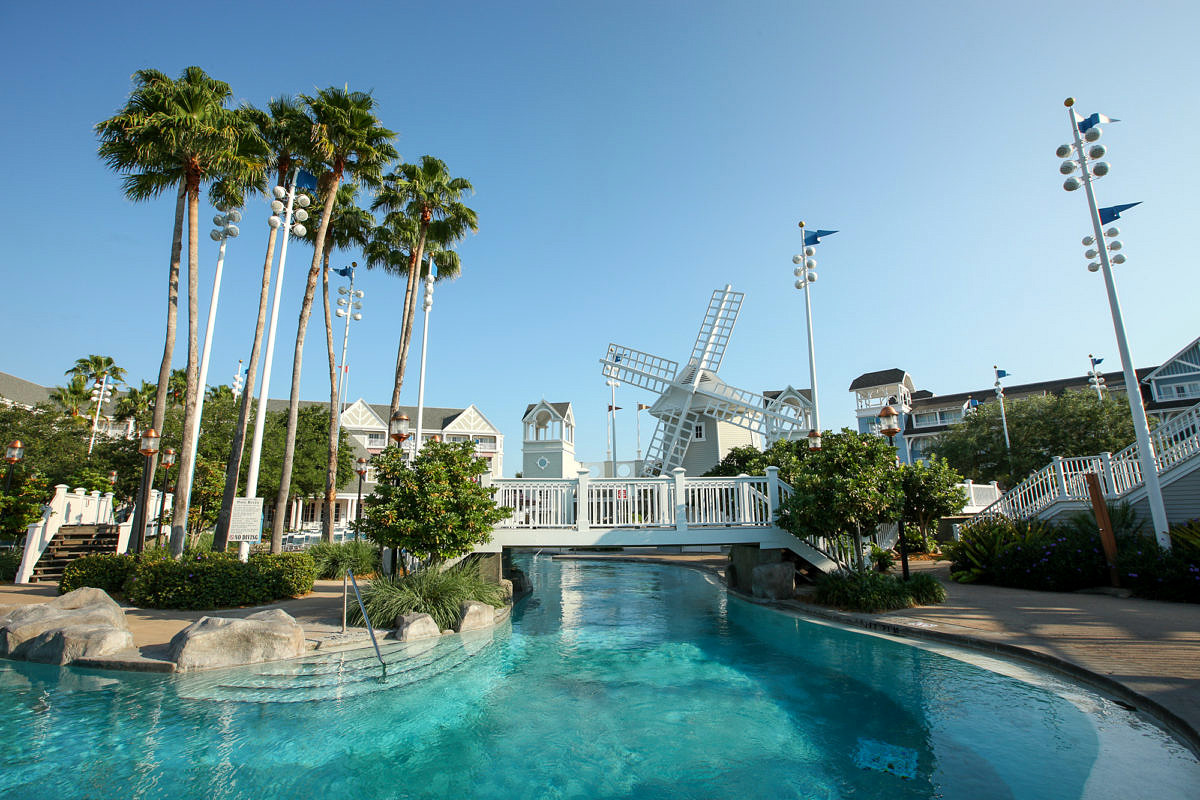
{"x":10,"y":562}
{"x":862,"y":591}
{"x":1185,"y":539}
{"x":107,"y":571}
{"x":1149,"y":571}
{"x":439,"y":593}
{"x":204,"y":579}
{"x":925,"y":590}
{"x":332,"y":558}
{"x":1053,"y":559}
{"x":883,"y":560}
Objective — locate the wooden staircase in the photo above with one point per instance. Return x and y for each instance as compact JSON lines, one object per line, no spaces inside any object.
{"x":72,"y":542}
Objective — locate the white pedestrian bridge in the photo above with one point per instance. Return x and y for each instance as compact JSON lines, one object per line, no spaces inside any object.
{"x":671,"y":510}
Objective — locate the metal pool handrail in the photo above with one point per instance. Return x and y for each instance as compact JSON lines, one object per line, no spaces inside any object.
{"x":370,"y":627}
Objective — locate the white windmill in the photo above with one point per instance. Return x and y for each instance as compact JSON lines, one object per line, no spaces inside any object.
{"x":693,"y":394}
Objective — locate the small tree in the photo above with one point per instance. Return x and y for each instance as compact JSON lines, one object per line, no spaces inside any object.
{"x":787,"y":455}
{"x":434,"y":507}
{"x":931,"y":491}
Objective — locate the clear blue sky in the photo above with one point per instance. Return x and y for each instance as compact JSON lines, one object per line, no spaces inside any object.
{"x":629,"y":158}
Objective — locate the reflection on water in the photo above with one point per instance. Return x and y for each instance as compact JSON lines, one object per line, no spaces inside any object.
{"x":615,"y":680}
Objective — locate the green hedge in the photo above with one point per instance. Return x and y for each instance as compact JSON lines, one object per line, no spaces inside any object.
{"x":199,"y":580}
{"x":10,"y":561}
{"x":873,"y":591}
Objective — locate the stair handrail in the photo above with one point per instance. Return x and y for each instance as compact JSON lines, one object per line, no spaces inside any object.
{"x":832,"y":548}
{"x":370,"y":627}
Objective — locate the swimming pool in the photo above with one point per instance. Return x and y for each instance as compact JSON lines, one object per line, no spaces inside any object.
{"x":613,"y":680}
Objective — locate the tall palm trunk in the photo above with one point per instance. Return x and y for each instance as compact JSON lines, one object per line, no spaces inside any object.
{"x":191,"y":395}
{"x":164,"y":369}
{"x":234,"y":469}
{"x":408,"y":315}
{"x":289,"y":446}
{"x":331,"y":475}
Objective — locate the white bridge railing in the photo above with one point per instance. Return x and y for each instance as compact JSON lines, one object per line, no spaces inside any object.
{"x":1063,"y":478}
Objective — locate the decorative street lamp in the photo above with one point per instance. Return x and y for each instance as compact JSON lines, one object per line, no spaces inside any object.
{"x":1096,"y":377}
{"x":814,"y":439}
{"x":226,"y":229}
{"x":1085,"y":158}
{"x":101,"y":394}
{"x":260,"y":416}
{"x":239,"y":380}
{"x":14,"y":453}
{"x":427,"y":304}
{"x":166,"y":462}
{"x":361,"y":469}
{"x":889,"y":426}
{"x":349,"y":306}
{"x":148,"y":448}
{"x":806,"y":275}
{"x":398,"y":429}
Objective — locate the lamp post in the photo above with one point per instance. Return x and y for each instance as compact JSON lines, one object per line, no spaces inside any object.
{"x":349,"y":306}
{"x":1096,"y":377}
{"x":226,"y":229}
{"x":1085,"y":158}
{"x":427,"y":304}
{"x":14,"y":453}
{"x":148,"y":448}
{"x":239,"y":380}
{"x":889,"y":426}
{"x":1003,"y":414}
{"x":806,"y":275}
{"x":166,"y":462}
{"x":612,"y":424}
{"x":814,"y":439}
{"x":101,"y":394}
{"x":361,"y":469}
{"x":260,"y":416}
{"x":398,"y":429}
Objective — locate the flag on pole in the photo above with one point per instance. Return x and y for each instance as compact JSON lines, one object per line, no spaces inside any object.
{"x":306,"y":180}
{"x":1086,"y":123}
{"x":814,"y":237}
{"x":642,"y":406}
{"x":1001,"y":373}
{"x":1111,"y":213}
{"x":969,"y":406}
{"x":614,"y":408}
{"x":345,"y":272}
{"x":1096,"y":361}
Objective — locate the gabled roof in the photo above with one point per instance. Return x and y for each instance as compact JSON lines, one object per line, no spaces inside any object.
{"x":881,"y":377}
{"x":21,"y":391}
{"x":1114,"y":380}
{"x":1165,"y":368}
{"x":434,"y":418}
{"x":774,"y":393}
{"x":559,"y":408}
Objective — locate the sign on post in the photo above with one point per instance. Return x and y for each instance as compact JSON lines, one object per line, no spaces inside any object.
{"x":245,"y":520}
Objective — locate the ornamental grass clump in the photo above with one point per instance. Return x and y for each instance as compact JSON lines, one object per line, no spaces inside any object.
{"x":433,"y":591}
{"x":331,"y":559}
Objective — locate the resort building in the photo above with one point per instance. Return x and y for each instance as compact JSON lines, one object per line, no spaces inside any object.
{"x":1166,"y":390}
{"x":548,"y":450}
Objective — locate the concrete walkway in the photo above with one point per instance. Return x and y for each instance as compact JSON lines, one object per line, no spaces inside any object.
{"x":1144,"y":652}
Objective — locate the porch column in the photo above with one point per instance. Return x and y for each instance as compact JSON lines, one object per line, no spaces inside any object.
{"x":583,"y":520}
{"x":681,"y":520}
{"x":772,"y":494}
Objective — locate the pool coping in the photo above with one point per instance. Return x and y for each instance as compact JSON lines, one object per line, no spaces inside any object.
{"x":1165,"y":719}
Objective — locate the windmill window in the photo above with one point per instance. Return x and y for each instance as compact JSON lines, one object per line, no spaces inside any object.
{"x":698,"y":434}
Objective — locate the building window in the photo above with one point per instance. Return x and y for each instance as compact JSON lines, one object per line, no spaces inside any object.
{"x":375,"y":439}
{"x":698,"y":433}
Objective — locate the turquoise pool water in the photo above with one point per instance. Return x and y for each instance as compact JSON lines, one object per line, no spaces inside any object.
{"x":612,"y":681}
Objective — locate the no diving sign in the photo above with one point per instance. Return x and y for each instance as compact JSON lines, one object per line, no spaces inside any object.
{"x":245,"y":520}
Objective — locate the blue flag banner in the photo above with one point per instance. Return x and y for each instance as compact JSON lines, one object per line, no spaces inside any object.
{"x":306,"y":180}
{"x":1001,"y":373}
{"x":1096,"y":361}
{"x":345,"y":272}
{"x":969,"y":406}
{"x":814,"y":237}
{"x":1111,"y":213}
{"x":1086,"y":123}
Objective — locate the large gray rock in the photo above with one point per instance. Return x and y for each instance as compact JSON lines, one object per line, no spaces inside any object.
{"x":82,"y":607}
{"x":475,"y":616}
{"x":412,"y":627}
{"x":212,"y":642}
{"x":774,"y":581}
{"x":64,"y":645}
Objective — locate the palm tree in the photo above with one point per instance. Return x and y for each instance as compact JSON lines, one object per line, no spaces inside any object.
{"x":350,"y":227}
{"x":423,"y":193}
{"x":75,"y":396}
{"x":180,"y":133}
{"x":136,"y":404}
{"x":285,"y":129}
{"x":347,"y":138}
{"x":95,"y":368}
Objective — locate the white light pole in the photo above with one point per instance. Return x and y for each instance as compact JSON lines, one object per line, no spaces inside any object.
{"x":349,"y":306}
{"x":101,"y":394}
{"x":426,"y":304}
{"x":239,"y":380}
{"x":260,"y":416}
{"x":612,"y":416}
{"x":1000,"y":396}
{"x":1095,"y":376}
{"x":1087,"y":161}
{"x":226,"y":229}
{"x":806,"y":275}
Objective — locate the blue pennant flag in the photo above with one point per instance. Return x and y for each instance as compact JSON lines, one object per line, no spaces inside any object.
{"x":1001,"y":373}
{"x":1111,"y":213}
{"x":345,"y":272}
{"x":814,"y":237}
{"x":969,"y":406}
{"x":306,"y":180}
{"x":1086,"y":123}
{"x":1096,"y":361}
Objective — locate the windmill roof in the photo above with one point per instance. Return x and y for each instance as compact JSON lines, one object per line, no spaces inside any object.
{"x":878,"y":378}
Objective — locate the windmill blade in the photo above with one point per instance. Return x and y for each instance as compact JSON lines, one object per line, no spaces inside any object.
{"x":636,"y":368}
{"x":748,"y":410}
{"x":716,"y":328}
{"x":670,"y":442}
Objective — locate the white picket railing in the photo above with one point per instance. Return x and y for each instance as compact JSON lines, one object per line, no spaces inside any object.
{"x":537,"y":504}
{"x":632,"y":503}
{"x":1063,"y":479}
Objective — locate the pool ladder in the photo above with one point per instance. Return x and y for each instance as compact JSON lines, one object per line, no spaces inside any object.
{"x":370,"y":627}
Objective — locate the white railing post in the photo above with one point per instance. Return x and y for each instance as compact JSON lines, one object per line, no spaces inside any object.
{"x":583,"y":513}
{"x":772,"y":494}
{"x":1060,"y":477}
{"x":969,"y":488}
{"x":681,"y":520}
{"x":742,"y":514}
{"x":1106,"y":474}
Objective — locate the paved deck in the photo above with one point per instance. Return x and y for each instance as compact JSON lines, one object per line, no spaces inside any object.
{"x":1145,"y":648}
